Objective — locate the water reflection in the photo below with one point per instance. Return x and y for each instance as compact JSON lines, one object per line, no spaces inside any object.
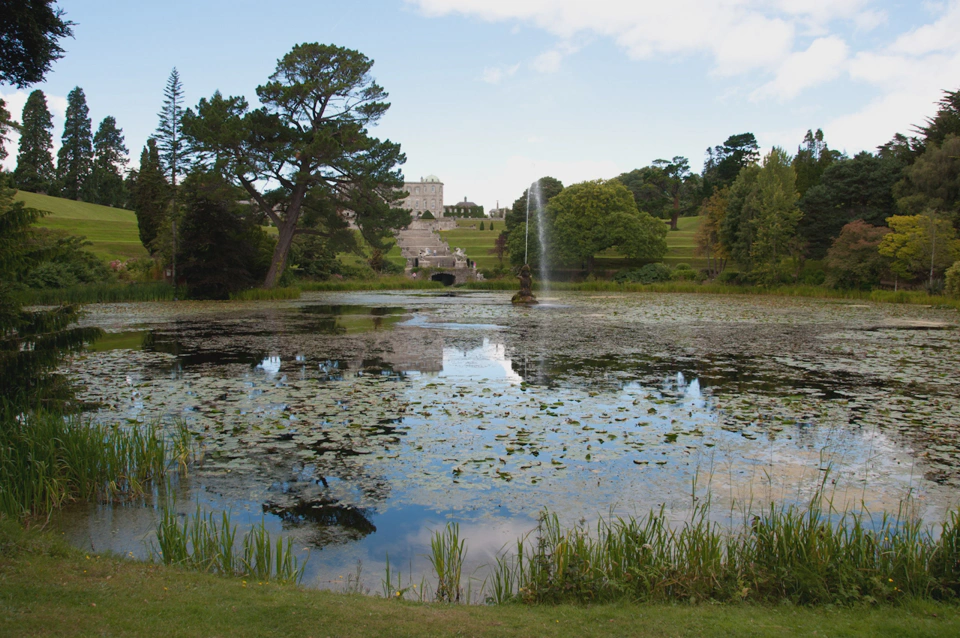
{"x":354,"y":428}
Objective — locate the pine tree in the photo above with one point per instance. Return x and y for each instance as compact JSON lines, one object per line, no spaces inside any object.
{"x":35,"y":172}
{"x":150,"y":195}
{"x":5,"y":125}
{"x":110,"y":156}
{"x":169,"y":132}
{"x":75,"y":159}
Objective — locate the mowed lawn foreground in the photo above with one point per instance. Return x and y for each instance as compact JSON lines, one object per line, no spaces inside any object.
{"x":48,"y":589}
{"x":112,"y":232}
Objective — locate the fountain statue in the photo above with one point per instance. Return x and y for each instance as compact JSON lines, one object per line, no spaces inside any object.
{"x":525,"y":296}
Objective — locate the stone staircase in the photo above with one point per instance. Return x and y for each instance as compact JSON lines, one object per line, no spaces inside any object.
{"x":424,"y":248}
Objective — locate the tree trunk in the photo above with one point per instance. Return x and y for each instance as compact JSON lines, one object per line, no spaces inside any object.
{"x":279,"y":262}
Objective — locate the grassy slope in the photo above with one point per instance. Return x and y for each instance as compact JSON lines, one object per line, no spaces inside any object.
{"x":477,"y":244}
{"x":49,"y":589}
{"x":112,"y":231}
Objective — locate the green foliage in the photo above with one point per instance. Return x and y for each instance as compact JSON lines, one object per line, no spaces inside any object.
{"x":169,"y":134}
{"x":6,"y":125}
{"x":207,"y":542}
{"x":666,"y":189}
{"x":724,"y":162}
{"x":517,"y":215}
{"x":263,"y":294}
{"x":589,"y":217}
{"x":920,"y":243}
{"x":47,"y":460}
{"x":738,"y":227}
{"x":806,"y":556}
{"x":775,"y":242}
{"x":447,"y":553}
{"x":933,"y":181}
{"x":99,"y":293}
{"x":481,"y":225}
{"x":427,"y":215}
{"x":30,"y":35}
{"x":499,"y":246}
{"x":649,"y":274}
{"x":35,"y":172}
{"x":221,"y":248}
{"x":150,"y":195}
{"x":849,"y":189}
{"x":110,"y":158}
{"x":812,"y":159}
{"x":310,"y":139}
{"x":62,"y":261}
{"x":946,"y":122}
{"x":854,"y":260}
{"x":952,"y":281}
{"x":75,"y":157}
{"x":708,"y":234}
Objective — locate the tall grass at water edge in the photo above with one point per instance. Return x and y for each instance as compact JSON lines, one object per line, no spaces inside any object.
{"x":785,"y":553}
{"x":99,"y":293}
{"x":820,"y":292}
{"x":395,"y":282}
{"x":207,"y":542}
{"x":47,"y":460}
{"x":263,"y":294}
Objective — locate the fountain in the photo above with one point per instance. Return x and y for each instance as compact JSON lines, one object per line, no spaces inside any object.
{"x":525,"y":296}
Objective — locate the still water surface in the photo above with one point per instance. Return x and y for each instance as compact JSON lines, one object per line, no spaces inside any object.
{"x":357,"y":424}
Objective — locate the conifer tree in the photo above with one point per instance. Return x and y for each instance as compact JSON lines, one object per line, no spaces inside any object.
{"x":150,"y":195}
{"x":35,"y":172}
{"x":169,"y":133}
{"x":5,"y":125}
{"x":75,"y":158}
{"x":110,"y":156}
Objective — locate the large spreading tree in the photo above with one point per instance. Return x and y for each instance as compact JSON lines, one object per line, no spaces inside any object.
{"x":75,"y":157}
{"x":35,"y":172}
{"x":306,"y":158}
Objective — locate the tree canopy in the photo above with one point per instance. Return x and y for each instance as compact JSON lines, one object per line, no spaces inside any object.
{"x":306,"y":155}
{"x":725,"y":161}
{"x":35,"y":171}
{"x":590,"y":217}
{"x":30,"y":34}
{"x":75,"y":157}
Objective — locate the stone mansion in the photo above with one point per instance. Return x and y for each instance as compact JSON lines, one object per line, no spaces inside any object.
{"x":425,"y":195}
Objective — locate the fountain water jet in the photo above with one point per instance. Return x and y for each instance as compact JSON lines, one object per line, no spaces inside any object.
{"x":525,"y":296}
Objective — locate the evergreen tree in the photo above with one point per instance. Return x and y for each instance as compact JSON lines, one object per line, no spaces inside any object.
{"x":812,"y":159}
{"x":29,"y":34}
{"x":169,"y":132}
{"x":5,"y":125}
{"x":35,"y":172}
{"x":110,"y":156}
{"x":150,"y":195}
{"x":775,"y":240}
{"x":75,"y":159}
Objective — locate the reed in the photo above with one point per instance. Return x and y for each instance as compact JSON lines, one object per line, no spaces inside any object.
{"x":804,"y":555}
{"x":391,"y":282}
{"x":447,"y":553}
{"x":264,"y":294}
{"x":207,"y":541}
{"x":99,"y":293}
{"x":47,"y":460}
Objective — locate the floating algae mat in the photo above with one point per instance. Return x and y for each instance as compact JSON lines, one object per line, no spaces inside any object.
{"x":357,"y":424}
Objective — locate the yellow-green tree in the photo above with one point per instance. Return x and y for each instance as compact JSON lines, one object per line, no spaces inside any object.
{"x":920,"y":244}
{"x":775,"y":247}
{"x":709,"y":245}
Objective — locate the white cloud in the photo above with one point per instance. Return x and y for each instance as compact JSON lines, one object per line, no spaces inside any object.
{"x":496,"y":74}
{"x":821,"y":62}
{"x":737,"y":35}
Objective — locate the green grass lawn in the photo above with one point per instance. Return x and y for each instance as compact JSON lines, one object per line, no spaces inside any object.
{"x":112,"y":232}
{"x":49,"y":589}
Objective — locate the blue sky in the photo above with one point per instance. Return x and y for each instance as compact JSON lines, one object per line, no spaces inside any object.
{"x":490,"y":94}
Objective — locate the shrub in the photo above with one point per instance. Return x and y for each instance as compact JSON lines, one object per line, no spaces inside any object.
{"x":952,"y":280}
{"x":729,"y":277}
{"x":649,"y":274}
{"x":684,"y":272}
{"x":481,"y":225}
{"x":427,"y":215}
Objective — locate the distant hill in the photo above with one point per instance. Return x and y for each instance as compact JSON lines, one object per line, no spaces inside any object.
{"x":112,"y":231}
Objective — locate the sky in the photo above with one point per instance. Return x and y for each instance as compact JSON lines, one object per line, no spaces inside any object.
{"x":489,"y":95}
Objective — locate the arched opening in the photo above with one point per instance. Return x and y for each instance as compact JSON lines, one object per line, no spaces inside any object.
{"x":445,"y":278}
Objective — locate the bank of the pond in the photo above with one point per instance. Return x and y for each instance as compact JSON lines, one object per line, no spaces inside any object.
{"x":915,"y":297}
{"x":48,"y":588}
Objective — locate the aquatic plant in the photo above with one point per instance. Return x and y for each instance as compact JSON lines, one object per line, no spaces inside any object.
{"x":805,"y":555}
{"x":447,"y":553}
{"x":207,"y":542}
{"x":47,"y":460}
